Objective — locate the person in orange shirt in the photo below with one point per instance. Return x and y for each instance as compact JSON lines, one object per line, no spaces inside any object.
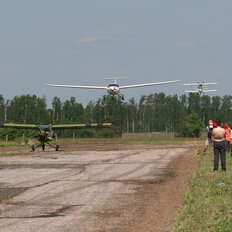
{"x":228,"y":138}
{"x":231,"y":144}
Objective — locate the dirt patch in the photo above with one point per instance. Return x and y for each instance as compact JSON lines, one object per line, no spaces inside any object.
{"x":155,"y":205}
{"x":117,"y":146}
{"x":7,"y":193}
{"x":162,"y":210}
{"x":100,"y":146}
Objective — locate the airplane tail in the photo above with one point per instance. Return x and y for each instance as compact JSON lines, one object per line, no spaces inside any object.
{"x":115,"y":79}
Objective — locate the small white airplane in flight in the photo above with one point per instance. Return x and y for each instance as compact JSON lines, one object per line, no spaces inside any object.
{"x":200,"y":88}
{"x":114,"y":89}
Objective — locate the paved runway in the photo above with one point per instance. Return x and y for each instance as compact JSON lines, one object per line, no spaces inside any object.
{"x":76,"y":191}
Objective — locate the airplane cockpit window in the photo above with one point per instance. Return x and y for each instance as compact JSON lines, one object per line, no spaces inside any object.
{"x":45,"y":128}
{"x":116,"y":85}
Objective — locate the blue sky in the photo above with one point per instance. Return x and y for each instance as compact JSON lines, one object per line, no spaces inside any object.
{"x":82,"y":42}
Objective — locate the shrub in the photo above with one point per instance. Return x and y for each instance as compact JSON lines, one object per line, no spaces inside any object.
{"x":191,"y":127}
{"x":14,"y":134}
{"x":108,"y":133}
{"x":87,"y":133}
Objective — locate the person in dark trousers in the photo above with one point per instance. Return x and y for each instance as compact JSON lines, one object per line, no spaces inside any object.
{"x":208,"y":141}
{"x":219,"y":135}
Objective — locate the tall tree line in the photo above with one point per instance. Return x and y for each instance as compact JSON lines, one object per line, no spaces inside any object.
{"x":154,"y":112}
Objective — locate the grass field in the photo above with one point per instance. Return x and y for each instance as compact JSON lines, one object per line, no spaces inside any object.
{"x":7,"y":144}
{"x":9,"y":148}
{"x":208,"y":205}
{"x":158,"y":138}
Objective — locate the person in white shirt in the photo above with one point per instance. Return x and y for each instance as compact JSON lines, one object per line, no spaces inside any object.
{"x":208,"y":140}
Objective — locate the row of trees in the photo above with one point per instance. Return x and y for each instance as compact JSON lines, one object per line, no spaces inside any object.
{"x":154,"y":112}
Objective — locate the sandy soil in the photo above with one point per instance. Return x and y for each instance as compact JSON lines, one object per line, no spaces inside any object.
{"x":139,"y":188}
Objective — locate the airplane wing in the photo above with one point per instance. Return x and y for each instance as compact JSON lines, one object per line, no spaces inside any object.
{"x":191,"y":91}
{"x":213,"y":83}
{"x":19,"y":126}
{"x":210,"y":90}
{"x":78,"y":86}
{"x":58,"y":126}
{"x":148,"y":84}
{"x":81,"y":126}
{"x":203,"y":83}
{"x":192,"y":84}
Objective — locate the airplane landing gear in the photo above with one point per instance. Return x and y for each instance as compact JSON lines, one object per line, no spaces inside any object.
{"x":113,"y":97}
{"x":33,"y":147}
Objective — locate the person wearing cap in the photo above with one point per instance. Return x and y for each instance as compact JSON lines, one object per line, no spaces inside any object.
{"x":228,"y":139}
{"x":219,"y":134}
{"x":214,"y":126}
{"x":231,"y":144}
{"x":208,"y":140}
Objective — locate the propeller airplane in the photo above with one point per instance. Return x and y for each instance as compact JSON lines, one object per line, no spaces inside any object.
{"x":113,"y":89}
{"x":200,"y":88}
{"x":46,"y":135}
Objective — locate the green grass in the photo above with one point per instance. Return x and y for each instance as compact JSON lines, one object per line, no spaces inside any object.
{"x":7,"y":144}
{"x":208,"y":207}
{"x":156,"y":138}
{"x":157,"y":142}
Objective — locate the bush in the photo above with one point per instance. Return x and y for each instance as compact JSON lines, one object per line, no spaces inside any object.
{"x":191,"y":127}
{"x":14,"y":134}
{"x":108,"y":133}
{"x":87,"y":133}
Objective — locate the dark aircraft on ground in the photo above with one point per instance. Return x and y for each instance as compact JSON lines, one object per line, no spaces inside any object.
{"x":46,"y":135}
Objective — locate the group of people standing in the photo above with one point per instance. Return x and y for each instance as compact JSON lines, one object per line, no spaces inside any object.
{"x":221,"y":138}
